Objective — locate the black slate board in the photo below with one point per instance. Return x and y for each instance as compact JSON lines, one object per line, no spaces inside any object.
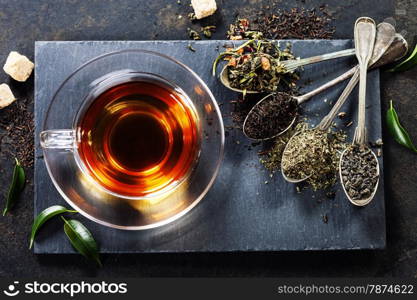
{"x":241,"y":212}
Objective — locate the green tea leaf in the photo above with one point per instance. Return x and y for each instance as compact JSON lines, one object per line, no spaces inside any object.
{"x":81,"y":239}
{"x":397,"y":131}
{"x":44,"y":216}
{"x":16,"y":187}
{"x":407,"y":64}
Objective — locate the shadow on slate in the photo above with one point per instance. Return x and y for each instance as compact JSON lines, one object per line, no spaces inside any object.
{"x":250,"y":215}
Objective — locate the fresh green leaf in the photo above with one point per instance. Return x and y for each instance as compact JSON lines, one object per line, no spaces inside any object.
{"x":407,"y":64}
{"x":16,"y":187}
{"x":81,"y":239}
{"x":397,"y":131}
{"x":44,"y":216}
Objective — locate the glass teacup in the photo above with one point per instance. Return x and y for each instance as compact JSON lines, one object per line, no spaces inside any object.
{"x":132,"y":202}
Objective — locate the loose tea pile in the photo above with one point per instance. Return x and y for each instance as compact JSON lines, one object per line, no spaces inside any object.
{"x":17,"y":122}
{"x":315,"y":154}
{"x":240,"y":109}
{"x":256,"y":66}
{"x":240,"y":31}
{"x":360,"y":172}
{"x":296,"y":23}
{"x":272,"y":116}
{"x":305,"y":149}
{"x":282,"y":24}
{"x":271,"y":159}
{"x":207,"y":31}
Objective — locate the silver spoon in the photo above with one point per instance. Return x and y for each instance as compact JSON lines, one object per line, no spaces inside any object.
{"x":397,"y":50}
{"x":326,"y":122}
{"x":365,"y":31}
{"x":384,"y":38}
{"x":289,"y":65}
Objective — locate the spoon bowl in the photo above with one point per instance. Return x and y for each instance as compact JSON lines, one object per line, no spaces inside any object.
{"x":385,"y":35}
{"x":256,"y":106}
{"x":224,"y":79}
{"x":289,"y":179}
{"x":397,"y":50}
{"x":361,"y":202}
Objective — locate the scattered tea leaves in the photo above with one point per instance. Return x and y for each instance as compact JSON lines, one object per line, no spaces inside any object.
{"x":271,"y":159}
{"x":17,"y":140}
{"x":191,"y":16}
{"x":192,"y":34}
{"x":208,"y":30}
{"x":341,"y":115}
{"x":191,"y":48}
{"x":16,"y":187}
{"x":44,"y":216}
{"x":397,"y":131}
{"x":407,"y":64}
{"x":81,"y":239}
{"x":240,"y":30}
{"x":295,"y":23}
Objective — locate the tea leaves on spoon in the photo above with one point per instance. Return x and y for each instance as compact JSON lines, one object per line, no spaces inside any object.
{"x":81,"y":239}
{"x":407,"y":64}
{"x":44,"y":216}
{"x":397,"y":131}
{"x":17,"y":185}
{"x":231,"y":52}
{"x":257,"y":66}
{"x":216,"y":61}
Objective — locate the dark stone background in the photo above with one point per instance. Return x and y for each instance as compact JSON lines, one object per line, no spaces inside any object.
{"x":24,"y":21}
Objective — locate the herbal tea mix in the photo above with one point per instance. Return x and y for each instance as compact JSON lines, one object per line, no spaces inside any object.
{"x":257,"y":66}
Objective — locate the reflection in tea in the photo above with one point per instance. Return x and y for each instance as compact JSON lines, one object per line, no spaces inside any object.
{"x":139,"y":138}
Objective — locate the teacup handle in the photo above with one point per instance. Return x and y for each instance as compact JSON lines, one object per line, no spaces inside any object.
{"x":58,"y":139}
